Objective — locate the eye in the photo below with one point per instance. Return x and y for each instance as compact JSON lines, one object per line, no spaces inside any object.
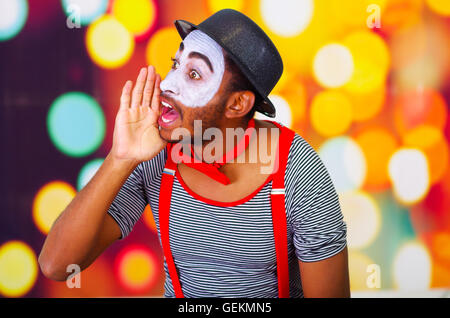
{"x":194,"y":75}
{"x":175,"y":63}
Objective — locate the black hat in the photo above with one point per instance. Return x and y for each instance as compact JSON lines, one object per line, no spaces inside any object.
{"x":248,"y":46}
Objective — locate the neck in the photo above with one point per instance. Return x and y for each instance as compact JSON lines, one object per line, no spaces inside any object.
{"x":231,"y":132}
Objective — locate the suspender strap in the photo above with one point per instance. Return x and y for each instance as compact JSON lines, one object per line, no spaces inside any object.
{"x":164,"y":214}
{"x":279,"y":212}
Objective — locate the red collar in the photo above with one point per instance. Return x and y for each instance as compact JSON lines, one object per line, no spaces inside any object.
{"x":212,"y":169}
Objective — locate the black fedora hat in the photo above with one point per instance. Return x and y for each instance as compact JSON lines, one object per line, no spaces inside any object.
{"x":248,"y":46}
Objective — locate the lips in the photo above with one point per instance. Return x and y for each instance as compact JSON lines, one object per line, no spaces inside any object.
{"x":169,"y":115}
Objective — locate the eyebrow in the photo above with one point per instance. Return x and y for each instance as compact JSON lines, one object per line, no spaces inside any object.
{"x":202,"y":57}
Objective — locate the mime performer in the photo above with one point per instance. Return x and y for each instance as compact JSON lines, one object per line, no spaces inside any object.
{"x":252,"y":213}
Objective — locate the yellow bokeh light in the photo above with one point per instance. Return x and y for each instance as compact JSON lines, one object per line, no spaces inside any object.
{"x":137,"y":16}
{"x":217,"y":5}
{"x":440,"y":6}
{"x":333,"y":65}
{"x":412,"y":267}
{"x":367,"y":105}
{"x":18,"y":269}
{"x":331,"y":113}
{"x":358,"y":265}
{"x":162,"y":46}
{"x":137,"y":268}
{"x":371,"y":60}
{"x":409,"y":174}
{"x":49,"y":202}
{"x":441,"y":245}
{"x":378,"y":145}
{"x":109,"y":44}
{"x":362,"y":216}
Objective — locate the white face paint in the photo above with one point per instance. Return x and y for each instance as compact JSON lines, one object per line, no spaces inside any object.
{"x":191,"y":81}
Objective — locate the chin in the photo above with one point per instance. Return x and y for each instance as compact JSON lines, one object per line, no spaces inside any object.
{"x":167,"y":135}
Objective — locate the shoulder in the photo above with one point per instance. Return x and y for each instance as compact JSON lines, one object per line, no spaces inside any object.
{"x":305,"y":171}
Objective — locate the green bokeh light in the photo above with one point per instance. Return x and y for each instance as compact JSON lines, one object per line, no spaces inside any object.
{"x":87,"y":172}
{"x":13,"y":15}
{"x":76,"y":124}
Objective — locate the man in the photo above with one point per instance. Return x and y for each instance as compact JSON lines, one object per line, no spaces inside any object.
{"x":235,"y":230}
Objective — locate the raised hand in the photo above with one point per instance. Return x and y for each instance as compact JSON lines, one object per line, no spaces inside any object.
{"x":136,"y":132}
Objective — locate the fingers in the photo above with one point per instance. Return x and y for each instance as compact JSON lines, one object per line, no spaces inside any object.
{"x":138,"y":89}
{"x":126,"y":95}
{"x":156,"y":94}
{"x":149,"y":87}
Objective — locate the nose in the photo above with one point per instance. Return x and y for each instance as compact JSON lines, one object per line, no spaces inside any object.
{"x":170,"y":85}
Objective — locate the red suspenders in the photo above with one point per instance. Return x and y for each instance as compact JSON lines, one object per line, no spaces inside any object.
{"x":278,"y":215}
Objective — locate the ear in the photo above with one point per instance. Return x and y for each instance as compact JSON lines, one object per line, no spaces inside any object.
{"x":239,"y":104}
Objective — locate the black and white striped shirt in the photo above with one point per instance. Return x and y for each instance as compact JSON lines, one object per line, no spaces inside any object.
{"x":229,"y":251}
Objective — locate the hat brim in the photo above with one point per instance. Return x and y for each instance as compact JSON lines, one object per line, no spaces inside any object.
{"x":266,"y":107}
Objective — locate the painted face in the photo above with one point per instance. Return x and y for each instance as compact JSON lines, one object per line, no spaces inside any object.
{"x":197,"y":72}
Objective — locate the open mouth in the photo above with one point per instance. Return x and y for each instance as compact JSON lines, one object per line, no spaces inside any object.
{"x":168,"y":115}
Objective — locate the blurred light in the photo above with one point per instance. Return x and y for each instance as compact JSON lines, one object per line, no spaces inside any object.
{"x":440,"y":6}
{"x":441,"y":245}
{"x":363,"y":218}
{"x":18,"y":269}
{"x":89,"y":10}
{"x":353,"y":14}
{"x":96,"y":281}
{"x":149,"y":219}
{"x":163,"y":44}
{"x":49,"y":202}
{"x":109,"y":44}
{"x":136,"y":268}
{"x":285,"y":79}
{"x":432,"y":142}
{"x":420,"y":107}
{"x":366,"y":106}
{"x":358,"y":264}
{"x":409,"y":174}
{"x":345,"y":162}
{"x":217,"y":5}
{"x":378,"y":146}
{"x":284,"y":113}
{"x":76,"y":124}
{"x":333,"y":65}
{"x":13,"y":15}
{"x":331,"y":113}
{"x":287,"y":18}
{"x":138,"y":16}
{"x":87,"y":172}
{"x":296,"y":96}
{"x":412,"y":267}
{"x":401,"y":14}
{"x":371,"y":60}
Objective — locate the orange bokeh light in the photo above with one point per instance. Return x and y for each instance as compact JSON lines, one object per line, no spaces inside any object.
{"x":148,"y":218}
{"x":378,"y":145}
{"x":433,"y":143}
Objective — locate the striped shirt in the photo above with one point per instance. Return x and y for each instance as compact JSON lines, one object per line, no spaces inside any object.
{"x":229,"y":251}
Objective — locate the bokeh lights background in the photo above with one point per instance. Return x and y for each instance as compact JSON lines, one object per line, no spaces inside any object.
{"x":366,"y":83}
